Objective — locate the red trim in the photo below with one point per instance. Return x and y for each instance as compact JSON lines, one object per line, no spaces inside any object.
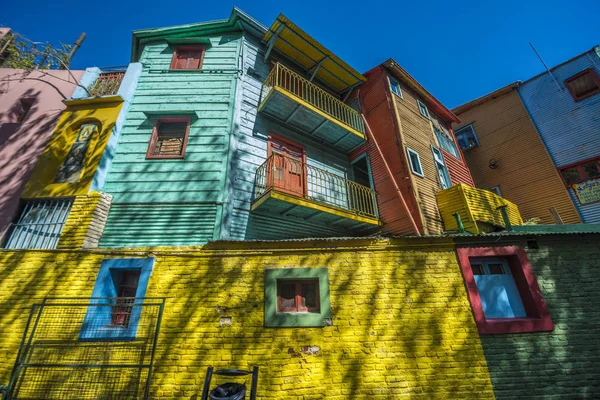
{"x":180,"y":49}
{"x":538,"y":319}
{"x":579,"y":165}
{"x":594,"y":77}
{"x":298,"y":296}
{"x":154,"y":137}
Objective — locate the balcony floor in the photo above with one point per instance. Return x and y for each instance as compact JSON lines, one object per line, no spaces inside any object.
{"x":276,"y":203}
{"x":288,"y":109}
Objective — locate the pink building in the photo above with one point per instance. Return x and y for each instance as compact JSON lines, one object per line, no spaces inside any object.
{"x":30,"y":106}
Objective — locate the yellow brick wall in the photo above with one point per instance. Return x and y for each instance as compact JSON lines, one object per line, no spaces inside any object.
{"x":402,"y":323}
{"x":86,"y":218}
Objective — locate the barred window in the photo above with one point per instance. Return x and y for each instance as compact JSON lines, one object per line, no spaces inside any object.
{"x":38,"y":225}
{"x":169,"y":138}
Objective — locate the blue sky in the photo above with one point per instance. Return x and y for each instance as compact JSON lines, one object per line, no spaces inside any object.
{"x":458,"y":50}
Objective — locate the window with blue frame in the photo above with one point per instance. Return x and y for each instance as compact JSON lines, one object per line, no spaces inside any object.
{"x":446,"y":143}
{"x":395,"y":86}
{"x":466,"y":138}
{"x":120,"y":285}
{"x":440,"y":165}
{"x":423,"y":109}
{"x":500,"y":297}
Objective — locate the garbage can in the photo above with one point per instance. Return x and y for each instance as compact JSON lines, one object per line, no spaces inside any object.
{"x":229,"y":391}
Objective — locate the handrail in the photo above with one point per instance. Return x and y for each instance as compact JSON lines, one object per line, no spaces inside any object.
{"x":284,"y":78}
{"x":292,"y":176}
{"x":107,"y":84}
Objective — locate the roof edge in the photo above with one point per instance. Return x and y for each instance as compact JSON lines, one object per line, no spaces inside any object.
{"x":485,"y":98}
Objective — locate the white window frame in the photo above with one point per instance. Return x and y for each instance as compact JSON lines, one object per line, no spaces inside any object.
{"x":390,"y":80}
{"x":438,"y":159}
{"x":441,"y":135}
{"x":495,"y":189}
{"x":410,"y":151}
{"x":422,"y":107}
{"x":458,"y":132}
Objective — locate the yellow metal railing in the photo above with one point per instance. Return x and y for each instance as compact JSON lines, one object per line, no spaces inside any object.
{"x":292,"y":176}
{"x":479,"y":209}
{"x":288,"y":80}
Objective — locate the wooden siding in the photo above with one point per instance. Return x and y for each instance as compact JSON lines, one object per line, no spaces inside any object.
{"x":376,"y":106}
{"x":569,"y":129}
{"x":207,"y":96}
{"x":525,"y":173}
{"x":249,"y":151}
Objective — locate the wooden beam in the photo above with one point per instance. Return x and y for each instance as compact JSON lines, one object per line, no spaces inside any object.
{"x":272,"y":42}
{"x":289,"y":118}
{"x":288,"y":210}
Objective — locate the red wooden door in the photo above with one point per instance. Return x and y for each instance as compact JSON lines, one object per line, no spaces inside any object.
{"x":286,"y":171}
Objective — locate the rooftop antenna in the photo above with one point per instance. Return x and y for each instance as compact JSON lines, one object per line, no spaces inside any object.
{"x":545,"y":66}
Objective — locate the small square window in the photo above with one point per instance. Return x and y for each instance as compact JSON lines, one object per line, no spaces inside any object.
{"x":583,"y":85}
{"x":466,"y":138}
{"x":187,"y":58}
{"x":423,"y":109}
{"x":581,"y":172}
{"x":395,"y":86}
{"x":495,"y":190}
{"x":415,"y":162}
{"x":297,"y":297}
{"x":169,"y":138}
{"x":592,"y":169}
{"x":504,"y":294}
{"x":127,"y":287}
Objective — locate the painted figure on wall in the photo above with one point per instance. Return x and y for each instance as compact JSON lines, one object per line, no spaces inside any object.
{"x":70,"y":171}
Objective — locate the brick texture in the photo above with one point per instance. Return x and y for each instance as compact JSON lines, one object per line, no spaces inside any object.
{"x":86,"y":221}
{"x":563,"y":364}
{"x":402,"y":323}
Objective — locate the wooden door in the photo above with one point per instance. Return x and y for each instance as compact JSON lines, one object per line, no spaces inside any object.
{"x":286,"y":171}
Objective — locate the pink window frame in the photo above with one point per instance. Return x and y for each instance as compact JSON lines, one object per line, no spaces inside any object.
{"x":595,"y":78}
{"x":154,"y":138}
{"x":538,"y":318}
{"x":179,"y":49}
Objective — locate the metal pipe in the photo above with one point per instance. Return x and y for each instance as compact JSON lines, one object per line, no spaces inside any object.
{"x":461,"y":227}
{"x":505,"y":217}
{"x":74,"y":49}
{"x":387,"y":167}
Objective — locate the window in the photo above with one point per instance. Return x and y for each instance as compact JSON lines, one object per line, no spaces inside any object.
{"x":120,"y":285}
{"x":297,"y":297}
{"x":72,"y":167}
{"x":446,"y":143}
{"x":495,"y":190}
{"x":581,"y":172}
{"x":504,"y":294}
{"x":440,"y":165}
{"x":39,"y":224}
{"x":169,"y":138}
{"x":395,"y":86}
{"x":466,"y":138}
{"x":415,"y":162}
{"x":423,"y":109}
{"x":583,"y":85}
{"x":187,"y":58}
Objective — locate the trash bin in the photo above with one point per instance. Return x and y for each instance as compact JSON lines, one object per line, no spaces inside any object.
{"x":229,"y":391}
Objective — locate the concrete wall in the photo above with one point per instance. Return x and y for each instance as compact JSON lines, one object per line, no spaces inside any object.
{"x":21,"y":144}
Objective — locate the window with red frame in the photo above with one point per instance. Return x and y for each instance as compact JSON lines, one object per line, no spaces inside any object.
{"x":583,"y":85}
{"x":121,"y":313}
{"x":298,"y":295}
{"x":581,"y":172}
{"x":503,"y":291}
{"x":187,"y":58}
{"x":169,"y":138}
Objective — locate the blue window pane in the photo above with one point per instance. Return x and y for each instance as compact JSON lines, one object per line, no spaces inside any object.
{"x":500,"y":297}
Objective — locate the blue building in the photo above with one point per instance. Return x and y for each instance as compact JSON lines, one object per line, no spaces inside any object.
{"x":565,"y":107}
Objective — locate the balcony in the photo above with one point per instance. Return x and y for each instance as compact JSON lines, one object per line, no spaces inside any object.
{"x":65,"y":351}
{"x":107,"y":84}
{"x":480,"y":210}
{"x":295,"y":101}
{"x":289,"y":187}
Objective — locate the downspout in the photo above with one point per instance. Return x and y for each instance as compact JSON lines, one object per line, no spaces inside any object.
{"x":387,"y":167}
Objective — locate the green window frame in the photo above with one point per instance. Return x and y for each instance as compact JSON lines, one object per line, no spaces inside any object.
{"x":395,"y":87}
{"x":276,"y":319}
{"x":415,"y":162}
{"x":423,"y":109}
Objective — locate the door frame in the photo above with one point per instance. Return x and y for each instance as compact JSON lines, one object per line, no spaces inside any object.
{"x":279,"y":138}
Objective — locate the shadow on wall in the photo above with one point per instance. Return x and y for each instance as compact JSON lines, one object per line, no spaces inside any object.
{"x":402,"y":323}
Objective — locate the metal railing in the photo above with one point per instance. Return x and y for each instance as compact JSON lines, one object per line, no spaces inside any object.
{"x":40,"y":224}
{"x":284,"y":78}
{"x":292,"y":176}
{"x":70,"y":350}
{"x":107,"y":84}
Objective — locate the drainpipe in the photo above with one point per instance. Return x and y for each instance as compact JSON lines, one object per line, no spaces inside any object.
{"x":504,"y":213}
{"x":389,"y":171}
{"x":461,"y":227}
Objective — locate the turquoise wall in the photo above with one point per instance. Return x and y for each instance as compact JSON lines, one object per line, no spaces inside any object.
{"x":192,"y":186}
{"x":249,"y":151}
